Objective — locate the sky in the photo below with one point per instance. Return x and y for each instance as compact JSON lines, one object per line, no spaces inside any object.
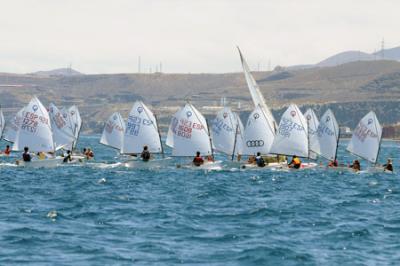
{"x":188,"y":36}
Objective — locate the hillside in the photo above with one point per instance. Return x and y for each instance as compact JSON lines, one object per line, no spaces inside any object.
{"x":58,"y":72}
{"x":346,"y":88}
{"x":345,"y":57}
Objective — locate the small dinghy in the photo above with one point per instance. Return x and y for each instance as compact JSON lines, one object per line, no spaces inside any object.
{"x":35,"y":133}
{"x":63,"y":134}
{"x":227,"y":133}
{"x":366,"y":140}
{"x":45,"y":163}
{"x":113,"y":132}
{"x":188,"y":134}
{"x":292,"y":136}
{"x":142,"y":130}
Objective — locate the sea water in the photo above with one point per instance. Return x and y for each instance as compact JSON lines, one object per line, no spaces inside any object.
{"x":103,"y":213}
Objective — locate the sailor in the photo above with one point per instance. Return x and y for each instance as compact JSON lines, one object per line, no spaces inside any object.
{"x":198,"y":161}
{"x":260,"y":160}
{"x":41,"y":155}
{"x":388,"y":166}
{"x":26,"y":157}
{"x":210,"y":158}
{"x":251,"y":160}
{"x":295,"y":163}
{"x":333,"y":163}
{"x":67,"y":158}
{"x":356,"y":166}
{"x":7,"y":151}
{"x":89,"y":154}
{"x":145,"y":154}
{"x":84,"y":151}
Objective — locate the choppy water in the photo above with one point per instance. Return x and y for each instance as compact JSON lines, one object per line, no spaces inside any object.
{"x":103,"y":213}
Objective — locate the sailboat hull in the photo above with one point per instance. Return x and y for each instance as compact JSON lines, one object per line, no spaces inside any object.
{"x":140,"y":164}
{"x":46,"y":163}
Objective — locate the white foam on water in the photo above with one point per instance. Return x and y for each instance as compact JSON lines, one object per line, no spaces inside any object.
{"x":104,"y":165}
{"x":102,"y":180}
{"x":52,"y":215}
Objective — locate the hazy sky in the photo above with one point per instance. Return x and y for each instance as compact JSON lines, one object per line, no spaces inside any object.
{"x":100,"y":36}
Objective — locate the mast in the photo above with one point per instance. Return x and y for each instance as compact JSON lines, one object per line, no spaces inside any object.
{"x":234,"y":142}
{"x":337,"y":145}
{"x":380,"y":141}
{"x":209,"y":137}
{"x":159,"y":135}
{"x":308,"y":136}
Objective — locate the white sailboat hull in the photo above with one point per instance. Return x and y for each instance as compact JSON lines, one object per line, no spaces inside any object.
{"x":46,"y":163}
{"x":140,"y":164}
{"x":208,"y":166}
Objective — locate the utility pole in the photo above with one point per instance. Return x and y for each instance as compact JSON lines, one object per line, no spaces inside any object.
{"x":383,"y":48}
{"x":139,"y":64}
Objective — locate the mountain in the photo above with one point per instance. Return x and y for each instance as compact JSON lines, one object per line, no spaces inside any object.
{"x":66,"y":72}
{"x":390,"y":54}
{"x":350,"y":89}
{"x":345,"y":57}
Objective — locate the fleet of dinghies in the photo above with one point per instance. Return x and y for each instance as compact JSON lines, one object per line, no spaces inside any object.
{"x":42,"y":131}
{"x":52,"y":129}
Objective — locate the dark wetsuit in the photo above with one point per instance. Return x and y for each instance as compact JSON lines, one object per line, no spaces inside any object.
{"x":260,"y":161}
{"x":26,"y":157}
{"x":145,"y":156}
{"x":388,"y":167}
{"x":67,"y":158}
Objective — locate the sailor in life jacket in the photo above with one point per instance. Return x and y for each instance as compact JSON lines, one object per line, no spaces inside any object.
{"x":7,"y":151}
{"x":260,"y":160}
{"x":145,"y":154}
{"x":198,"y":161}
{"x":295,"y":163}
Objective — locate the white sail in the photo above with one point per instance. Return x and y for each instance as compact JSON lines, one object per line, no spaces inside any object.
{"x":239,"y":135}
{"x":366,"y":138}
{"x":12,"y":127}
{"x":258,"y":134}
{"x":62,"y":134}
{"x":328,"y":136}
{"x":255,"y":92}
{"x":76,"y":122}
{"x":35,"y":130}
{"x":190,"y":132}
{"x":113,"y":133}
{"x":170,"y":135}
{"x":2,"y":123}
{"x":312,"y":124}
{"x":292,"y":134}
{"x":141,"y":130}
{"x":226,"y":132}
